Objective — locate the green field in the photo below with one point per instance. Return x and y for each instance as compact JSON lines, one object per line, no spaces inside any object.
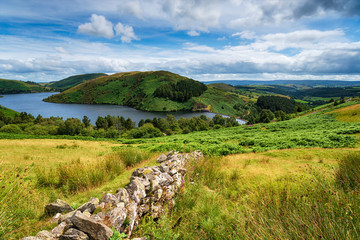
{"x":295,"y":179}
{"x":72,"y":81}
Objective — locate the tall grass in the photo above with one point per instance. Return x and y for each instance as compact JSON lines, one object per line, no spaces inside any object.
{"x":15,"y":201}
{"x":78,"y":175}
{"x":224,"y":205}
{"x":348,"y":174}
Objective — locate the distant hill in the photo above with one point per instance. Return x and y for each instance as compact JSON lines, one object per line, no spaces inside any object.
{"x":150,"y":91}
{"x":309,"y":83}
{"x":72,"y":81}
{"x":15,"y":86}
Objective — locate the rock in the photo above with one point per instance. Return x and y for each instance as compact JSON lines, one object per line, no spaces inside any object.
{"x":90,"y":205}
{"x":59,"y":206}
{"x":136,"y":189}
{"x":99,"y":217}
{"x":173,"y":172}
{"x":164,"y":168}
{"x":165,"y":179}
{"x":162,"y":158}
{"x":132,"y":216}
{"x":30,"y":238}
{"x":55,"y":218}
{"x":109,"y":198}
{"x":140,"y":238}
{"x":122,"y":195}
{"x":60,"y":229}
{"x":117,"y":216}
{"x":66,"y":217}
{"x":74,"y":234}
{"x":94,"y":229}
{"x":182,"y":171}
{"x":45,"y":235}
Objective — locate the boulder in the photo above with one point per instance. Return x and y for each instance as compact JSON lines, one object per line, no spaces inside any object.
{"x":61,"y":228}
{"x":165,"y":179}
{"x":137,"y":189}
{"x":132,"y":216}
{"x":162,"y":158}
{"x":122,"y":195}
{"x":74,"y":234}
{"x":92,"y":228}
{"x":109,"y":198}
{"x":90,"y":206}
{"x":117,"y":216}
{"x":66,"y":217}
{"x":45,"y":235}
{"x":59,"y":206}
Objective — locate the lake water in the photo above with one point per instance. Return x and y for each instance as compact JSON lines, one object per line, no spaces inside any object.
{"x":32,"y":103}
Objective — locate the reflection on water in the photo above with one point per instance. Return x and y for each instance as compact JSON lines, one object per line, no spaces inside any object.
{"x":32,"y":103}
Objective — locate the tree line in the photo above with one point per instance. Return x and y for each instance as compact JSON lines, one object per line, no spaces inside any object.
{"x":110,"y":126}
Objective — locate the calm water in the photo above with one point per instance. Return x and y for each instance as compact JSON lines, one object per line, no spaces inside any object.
{"x":32,"y":103}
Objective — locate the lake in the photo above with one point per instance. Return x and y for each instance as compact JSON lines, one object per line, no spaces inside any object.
{"x":32,"y":103}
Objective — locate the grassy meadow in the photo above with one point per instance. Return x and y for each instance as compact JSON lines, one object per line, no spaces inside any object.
{"x":295,"y":179}
{"x":34,"y":172}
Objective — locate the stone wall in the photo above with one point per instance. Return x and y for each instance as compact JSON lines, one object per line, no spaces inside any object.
{"x":150,"y":191}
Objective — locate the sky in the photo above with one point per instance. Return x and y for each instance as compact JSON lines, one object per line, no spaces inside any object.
{"x":48,"y":40}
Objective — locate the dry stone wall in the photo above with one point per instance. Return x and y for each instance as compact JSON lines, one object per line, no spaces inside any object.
{"x":150,"y":191}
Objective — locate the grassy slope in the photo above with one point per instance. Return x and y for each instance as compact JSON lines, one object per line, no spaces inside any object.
{"x":135,"y":89}
{"x":15,"y":86}
{"x":72,"y":81}
{"x":348,"y":114}
{"x":8,"y":112}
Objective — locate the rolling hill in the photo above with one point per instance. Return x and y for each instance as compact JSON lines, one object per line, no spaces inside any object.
{"x":72,"y":81}
{"x":151,"y":91}
{"x":16,"y":86}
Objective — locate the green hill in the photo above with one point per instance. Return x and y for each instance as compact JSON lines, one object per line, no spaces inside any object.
{"x":15,"y":86}
{"x":150,"y":91}
{"x":72,"y":81}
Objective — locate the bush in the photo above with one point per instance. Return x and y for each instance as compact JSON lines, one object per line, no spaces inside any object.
{"x":11,"y":128}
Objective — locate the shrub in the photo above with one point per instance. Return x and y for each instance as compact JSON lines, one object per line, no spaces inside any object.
{"x":11,"y":128}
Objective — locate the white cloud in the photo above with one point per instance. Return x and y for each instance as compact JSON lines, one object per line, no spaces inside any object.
{"x":61,"y":50}
{"x":126,"y":32}
{"x":245,"y":35}
{"x":98,"y":26}
{"x":132,"y":7}
{"x":193,"y":33}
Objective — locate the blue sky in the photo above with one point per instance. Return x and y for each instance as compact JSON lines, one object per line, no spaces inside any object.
{"x":47,"y":40}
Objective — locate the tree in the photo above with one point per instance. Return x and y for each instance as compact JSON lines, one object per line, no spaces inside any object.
{"x":86,"y":121}
{"x":280,"y":115}
{"x":266,"y":116}
{"x":141,"y":123}
{"x":101,"y":123}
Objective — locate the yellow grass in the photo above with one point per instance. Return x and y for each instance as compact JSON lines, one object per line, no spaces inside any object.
{"x":348,"y":114}
{"x":48,"y":152}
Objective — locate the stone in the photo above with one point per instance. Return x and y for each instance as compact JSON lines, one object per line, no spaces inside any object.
{"x":30,"y":238}
{"x":132,"y":216}
{"x":165,"y":179}
{"x":117,"y":216}
{"x":59,"y":206}
{"x":136,"y":189}
{"x":92,"y":228}
{"x":140,"y":238}
{"x":66,"y":216}
{"x":60,"y":229}
{"x":164,"y":168}
{"x":74,"y":234}
{"x":162,"y":158}
{"x":90,"y":206}
{"x":45,"y":235}
{"x":122,"y":195}
{"x":173,"y":172}
{"x":109,"y":198}
{"x":55,"y":218}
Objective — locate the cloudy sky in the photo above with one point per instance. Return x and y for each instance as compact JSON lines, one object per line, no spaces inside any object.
{"x":47,"y":40}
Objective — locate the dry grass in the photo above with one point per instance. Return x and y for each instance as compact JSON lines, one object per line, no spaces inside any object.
{"x":47,"y":153}
{"x":348,"y":114}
